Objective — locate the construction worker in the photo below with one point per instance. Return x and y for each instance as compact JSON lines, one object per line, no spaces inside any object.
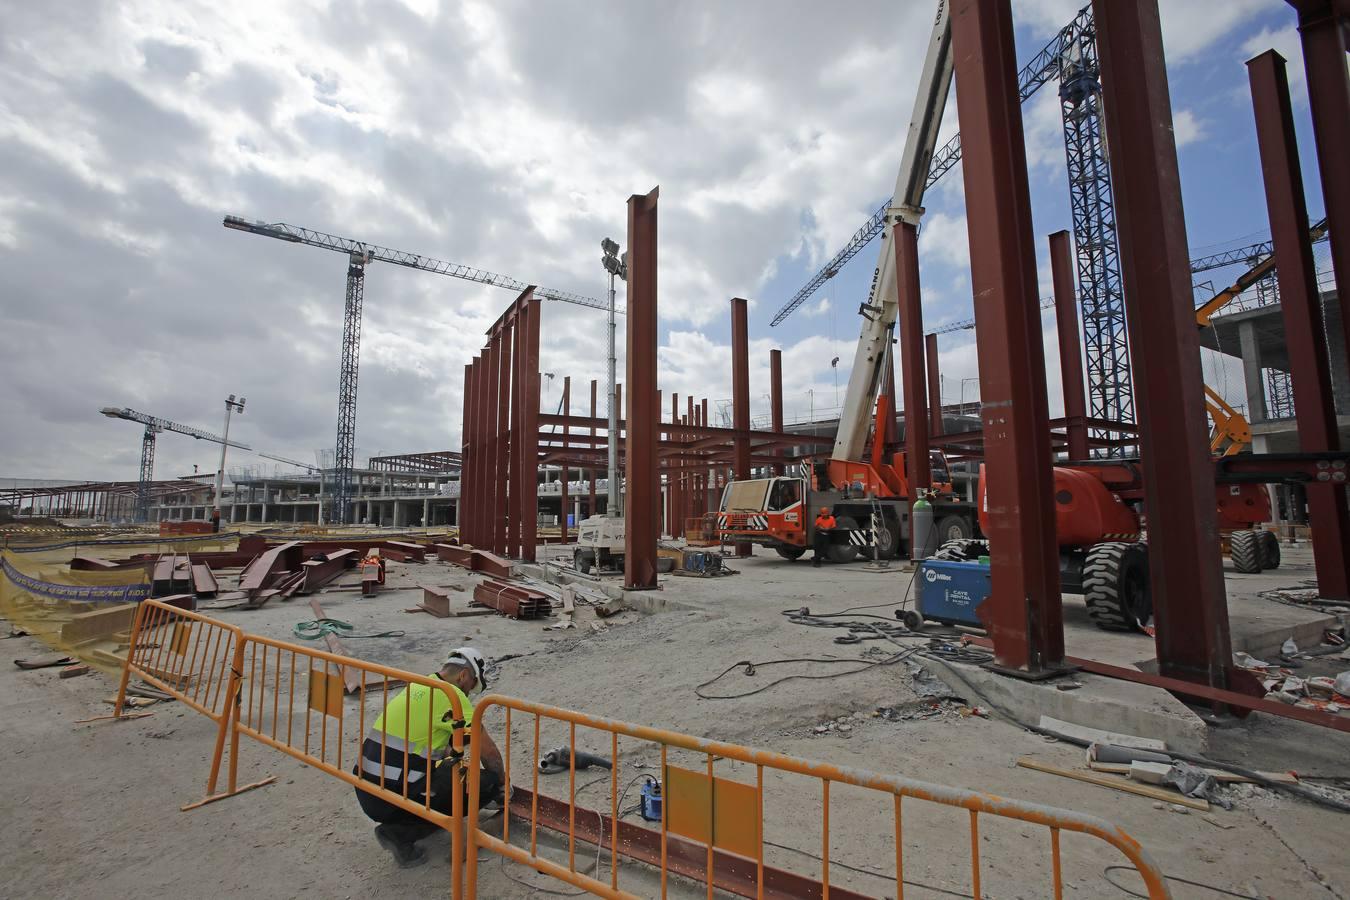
{"x":820,"y":539}
{"x":398,"y":747}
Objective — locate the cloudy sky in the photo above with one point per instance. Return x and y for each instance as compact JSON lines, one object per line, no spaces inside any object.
{"x":506,"y":135}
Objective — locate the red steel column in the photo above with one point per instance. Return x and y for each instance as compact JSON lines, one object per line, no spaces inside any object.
{"x":1300,"y":301}
{"x":691,"y":474}
{"x":590,"y":474}
{"x":567,"y":412}
{"x":1024,"y":607}
{"x":473,"y":504}
{"x":918,"y":472}
{"x":776,"y":401}
{"x":502,"y":441}
{"x":529,"y":523}
{"x":515,"y":503}
{"x":466,"y":456}
{"x":643,"y":421}
{"x":674,"y":470}
{"x":740,"y":395}
{"x":483,"y":528}
{"x":1070,"y":348}
{"x":1322,"y":26}
{"x":710,"y":500}
{"x":493,"y":356}
{"x":1190,"y":612}
{"x":930,"y":355}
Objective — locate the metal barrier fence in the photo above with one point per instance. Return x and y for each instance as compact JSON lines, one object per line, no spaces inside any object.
{"x":291,"y":698}
{"x":730,"y":836}
{"x":196,"y":660}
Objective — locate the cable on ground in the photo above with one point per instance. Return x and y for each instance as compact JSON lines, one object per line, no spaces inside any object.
{"x":317,"y":628}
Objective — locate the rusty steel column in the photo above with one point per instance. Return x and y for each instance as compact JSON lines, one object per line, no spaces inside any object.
{"x":502,"y":440}
{"x":1301,"y":304}
{"x":562,"y":508}
{"x":930,"y":355}
{"x":1322,"y":27}
{"x":529,"y":523}
{"x":1025,"y":616}
{"x":493,"y":355}
{"x":466,"y":455}
{"x":513,"y":505}
{"x":740,"y":395}
{"x":643,"y":422}
{"x":709,"y":482}
{"x":690,"y":475}
{"x":673,"y":469}
{"x":1070,"y":348}
{"x":1190,"y":612}
{"x":590,"y":473}
{"x":776,"y":401}
{"x":481,"y":519}
{"x":918,"y":472}
{"x":472,"y":503}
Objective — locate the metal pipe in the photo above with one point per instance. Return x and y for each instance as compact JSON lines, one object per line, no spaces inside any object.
{"x":612,"y":507}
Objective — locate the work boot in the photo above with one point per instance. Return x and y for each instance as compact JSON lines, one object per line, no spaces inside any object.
{"x":405,"y":854}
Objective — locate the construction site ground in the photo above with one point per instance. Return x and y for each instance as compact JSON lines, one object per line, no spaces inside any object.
{"x":94,"y":809}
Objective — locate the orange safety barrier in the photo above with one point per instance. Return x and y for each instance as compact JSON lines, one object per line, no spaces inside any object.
{"x":290,"y":698}
{"x":730,"y":836}
{"x":196,"y":660}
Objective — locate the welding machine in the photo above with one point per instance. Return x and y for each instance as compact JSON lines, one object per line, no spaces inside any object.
{"x":949,"y":592}
{"x":651,"y":800}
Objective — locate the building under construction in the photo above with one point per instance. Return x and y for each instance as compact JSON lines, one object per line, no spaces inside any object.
{"x":909,"y":647}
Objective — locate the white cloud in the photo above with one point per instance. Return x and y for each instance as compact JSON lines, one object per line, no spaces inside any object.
{"x":820,"y":308}
{"x":1187,"y":127}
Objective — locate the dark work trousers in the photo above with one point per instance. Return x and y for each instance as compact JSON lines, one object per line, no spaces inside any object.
{"x":820,"y":543}
{"x":410,"y":828}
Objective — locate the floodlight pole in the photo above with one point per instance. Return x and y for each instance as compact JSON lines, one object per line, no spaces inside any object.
{"x":231,"y":405}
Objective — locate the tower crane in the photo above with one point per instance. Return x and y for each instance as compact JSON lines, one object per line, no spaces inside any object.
{"x":308,"y":467}
{"x":359,"y":255}
{"x":153,"y":426}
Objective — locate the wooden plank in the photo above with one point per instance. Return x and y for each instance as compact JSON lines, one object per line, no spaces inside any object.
{"x":1220,"y":775}
{"x":1106,"y":781}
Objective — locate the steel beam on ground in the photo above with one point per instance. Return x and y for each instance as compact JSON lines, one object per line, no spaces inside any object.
{"x":1185,"y":565}
{"x":776,"y":396}
{"x":930,"y":355}
{"x":918,"y":472}
{"x":642,"y":508}
{"x":1024,"y":607}
{"x":740,"y":394}
{"x":1300,"y":302}
{"x":1322,"y":26}
{"x":1070,"y":348}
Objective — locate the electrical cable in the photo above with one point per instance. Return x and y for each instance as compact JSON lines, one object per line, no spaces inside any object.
{"x":864,"y":665}
{"x":887,"y":878}
{"x":1200,"y":884}
{"x":317,"y":628}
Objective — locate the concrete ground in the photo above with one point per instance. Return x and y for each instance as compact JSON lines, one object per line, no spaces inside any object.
{"x":94,"y":808}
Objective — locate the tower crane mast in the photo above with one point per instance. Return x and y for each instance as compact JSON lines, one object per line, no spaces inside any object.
{"x":359,"y":255}
{"x":153,"y":426}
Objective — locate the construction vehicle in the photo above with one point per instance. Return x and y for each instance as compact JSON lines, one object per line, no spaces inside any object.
{"x":870,"y":497}
{"x":1099,"y":519}
{"x":600,"y":545}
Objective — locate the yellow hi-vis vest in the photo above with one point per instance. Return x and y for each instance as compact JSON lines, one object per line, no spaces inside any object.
{"x":416,"y":726}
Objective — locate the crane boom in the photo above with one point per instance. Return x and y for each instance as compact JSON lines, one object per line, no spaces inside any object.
{"x":882,"y":307}
{"x":294,"y":462}
{"x":1040,"y":69}
{"x":295,"y":234}
{"x":159,"y":424}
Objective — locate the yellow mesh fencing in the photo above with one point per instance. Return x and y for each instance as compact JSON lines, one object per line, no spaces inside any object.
{"x":85,"y":613}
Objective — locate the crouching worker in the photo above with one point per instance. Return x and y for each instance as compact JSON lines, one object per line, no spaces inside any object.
{"x":398,"y":743}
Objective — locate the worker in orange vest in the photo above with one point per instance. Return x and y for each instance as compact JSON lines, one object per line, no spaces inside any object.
{"x":820,"y":539}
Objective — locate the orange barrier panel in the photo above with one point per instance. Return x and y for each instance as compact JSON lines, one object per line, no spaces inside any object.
{"x":196,"y":660}
{"x":294,"y":703}
{"x":744,"y":871}
{"x":290,"y":698}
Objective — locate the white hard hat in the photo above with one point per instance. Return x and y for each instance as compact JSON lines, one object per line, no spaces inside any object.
{"x":468,"y":656}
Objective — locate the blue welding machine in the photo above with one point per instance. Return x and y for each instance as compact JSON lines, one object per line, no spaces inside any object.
{"x":950,"y":592}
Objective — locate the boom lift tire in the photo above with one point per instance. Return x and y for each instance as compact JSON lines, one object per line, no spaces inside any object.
{"x":953,"y":528}
{"x":1116,"y":586}
{"x":1244,"y":549}
{"x":1270,"y":550}
{"x":844,"y":552}
{"x":790,"y":552}
{"x":963,"y":550}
